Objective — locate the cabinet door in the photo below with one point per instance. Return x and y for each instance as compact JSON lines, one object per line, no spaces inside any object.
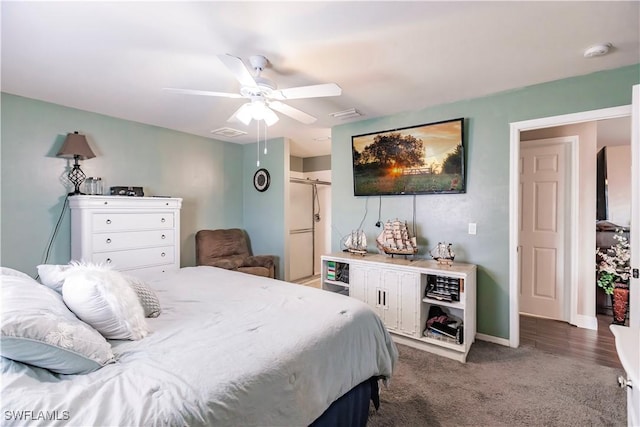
{"x":357,"y":282}
{"x":410,"y":303}
{"x":390,"y":300}
{"x":374,"y":291}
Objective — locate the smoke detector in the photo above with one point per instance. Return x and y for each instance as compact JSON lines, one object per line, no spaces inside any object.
{"x":597,"y":50}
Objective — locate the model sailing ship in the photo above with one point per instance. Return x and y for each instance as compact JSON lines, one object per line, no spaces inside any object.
{"x":395,"y":240}
{"x":357,"y":242}
{"x":443,"y":253}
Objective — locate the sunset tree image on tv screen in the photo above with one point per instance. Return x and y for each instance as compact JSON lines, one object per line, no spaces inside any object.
{"x":417,"y":160}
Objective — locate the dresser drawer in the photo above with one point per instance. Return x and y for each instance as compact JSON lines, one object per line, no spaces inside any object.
{"x":126,"y":221}
{"x":124,"y":260}
{"x":131,"y":239}
{"x":151,"y":272}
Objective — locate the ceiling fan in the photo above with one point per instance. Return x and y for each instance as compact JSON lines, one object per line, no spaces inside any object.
{"x":263,"y":95}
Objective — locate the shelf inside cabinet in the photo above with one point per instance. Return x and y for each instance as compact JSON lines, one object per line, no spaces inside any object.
{"x":336,"y":282}
{"x":452,"y":304}
{"x":442,"y":340}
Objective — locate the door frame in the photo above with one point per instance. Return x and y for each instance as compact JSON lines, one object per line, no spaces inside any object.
{"x":570,"y":170}
{"x":514,"y":175}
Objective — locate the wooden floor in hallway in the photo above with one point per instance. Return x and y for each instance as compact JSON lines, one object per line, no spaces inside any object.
{"x":564,"y":339}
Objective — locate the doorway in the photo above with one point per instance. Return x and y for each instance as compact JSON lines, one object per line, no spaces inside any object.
{"x":309,"y":222}
{"x":582,"y":298}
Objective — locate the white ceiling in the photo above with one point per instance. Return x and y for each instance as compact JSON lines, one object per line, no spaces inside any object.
{"x":114,"y":58}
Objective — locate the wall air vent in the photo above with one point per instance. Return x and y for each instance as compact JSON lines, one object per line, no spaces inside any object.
{"x":228,"y":132}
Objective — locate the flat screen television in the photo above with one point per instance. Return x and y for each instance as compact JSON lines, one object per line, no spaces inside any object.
{"x":423,"y":159}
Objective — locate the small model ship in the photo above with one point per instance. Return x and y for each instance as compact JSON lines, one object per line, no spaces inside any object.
{"x":395,"y":240}
{"x":443,"y":253}
{"x":357,"y":242}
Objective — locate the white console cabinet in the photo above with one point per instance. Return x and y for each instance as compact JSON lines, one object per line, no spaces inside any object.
{"x":139,"y":235}
{"x":395,"y":289}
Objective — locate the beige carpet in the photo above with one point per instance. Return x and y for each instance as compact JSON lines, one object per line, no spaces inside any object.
{"x":499,"y":386}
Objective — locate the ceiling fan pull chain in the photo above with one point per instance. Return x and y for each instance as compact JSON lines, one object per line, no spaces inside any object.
{"x":265,"y":138}
{"x":258,"y":142}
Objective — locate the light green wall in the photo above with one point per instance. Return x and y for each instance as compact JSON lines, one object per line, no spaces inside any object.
{"x":445,"y":217}
{"x":204,"y":172}
{"x":264,"y":212}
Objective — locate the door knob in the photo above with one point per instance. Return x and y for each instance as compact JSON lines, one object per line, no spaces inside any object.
{"x":624,"y":383}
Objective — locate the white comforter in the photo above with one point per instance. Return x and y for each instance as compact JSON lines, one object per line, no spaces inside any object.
{"x":228,"y":349}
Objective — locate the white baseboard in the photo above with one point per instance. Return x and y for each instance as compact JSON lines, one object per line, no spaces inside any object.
{"x":492,"y":339}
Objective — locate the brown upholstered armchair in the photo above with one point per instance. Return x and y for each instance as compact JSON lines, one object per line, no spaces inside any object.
{"x":230,"y":249}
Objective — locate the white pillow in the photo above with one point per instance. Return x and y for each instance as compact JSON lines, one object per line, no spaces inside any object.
{"x":52,"y":276}
{"x":6,"y":271}
{"x":103,"y":298}
{"x":38,"y":329}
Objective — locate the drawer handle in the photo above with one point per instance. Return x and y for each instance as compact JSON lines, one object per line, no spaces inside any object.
{"x":108,"y":240}
{"x":108,"y":221}
{"x":163,"y":220}
{"x":106,"y":203}
{"x":162,"y":254}
{"x":163,"y":236}
{"x":108,"y":260}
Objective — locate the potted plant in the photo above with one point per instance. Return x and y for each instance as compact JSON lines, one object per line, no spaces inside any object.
{"x":614,"y":271}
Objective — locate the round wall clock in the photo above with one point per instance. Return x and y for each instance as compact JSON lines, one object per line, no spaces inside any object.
{"x":261,"y":180}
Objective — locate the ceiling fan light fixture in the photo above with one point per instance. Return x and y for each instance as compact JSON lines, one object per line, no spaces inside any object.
{"x":244,"y":114}
{"x":270,"y":118}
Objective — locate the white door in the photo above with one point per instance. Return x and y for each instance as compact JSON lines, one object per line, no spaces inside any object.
{"x":300,"y":231}
{"x":543,"y":184}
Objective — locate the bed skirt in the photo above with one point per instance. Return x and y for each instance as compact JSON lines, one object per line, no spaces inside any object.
{"x":352,"y":409}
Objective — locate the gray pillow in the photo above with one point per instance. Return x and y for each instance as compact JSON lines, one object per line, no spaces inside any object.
{"x":146,"y":295}
{"x":39,"y":329}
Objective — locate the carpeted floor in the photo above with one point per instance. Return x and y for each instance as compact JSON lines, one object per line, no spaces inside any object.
{"x":499,"y":386}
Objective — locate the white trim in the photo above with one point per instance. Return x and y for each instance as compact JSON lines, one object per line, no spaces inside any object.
{"x":514,"y":155}
{"x":634,"y":298}
{"x":587,"y":322}
{"x":492,"y":339}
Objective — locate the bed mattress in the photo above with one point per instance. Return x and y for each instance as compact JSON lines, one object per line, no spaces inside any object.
{"x":228,"y":349}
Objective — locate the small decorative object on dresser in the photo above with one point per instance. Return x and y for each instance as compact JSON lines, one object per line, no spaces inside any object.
{"x":139,"y":235}
{"x":395,"y":239}
{"x":443,"y":253}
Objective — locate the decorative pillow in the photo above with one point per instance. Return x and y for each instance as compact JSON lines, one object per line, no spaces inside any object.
{"x":147,"y":296}
{"x":52,"y":276}
{"x":103,"y":298}
{"x":6,"y":271}
{"x":38,"y":329}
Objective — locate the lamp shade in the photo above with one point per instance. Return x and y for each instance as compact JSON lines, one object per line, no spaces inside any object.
{"x":76,"y":145}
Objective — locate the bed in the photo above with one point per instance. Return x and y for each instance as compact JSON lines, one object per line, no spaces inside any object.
{"x":227,"y":349}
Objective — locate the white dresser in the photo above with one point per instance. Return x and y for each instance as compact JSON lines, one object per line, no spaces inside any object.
{"x":139,"y":235}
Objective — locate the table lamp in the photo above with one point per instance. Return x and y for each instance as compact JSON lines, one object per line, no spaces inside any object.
{"x":76,"y":147}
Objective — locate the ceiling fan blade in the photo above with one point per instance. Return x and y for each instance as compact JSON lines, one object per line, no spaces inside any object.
{"x":237,"y":67}
{"x":313,"y":91}
{"x":242,"y":114}
{"x":202,"y":92}
{"x":294,"y":113}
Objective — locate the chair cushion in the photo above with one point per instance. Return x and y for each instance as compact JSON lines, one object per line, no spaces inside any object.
{"x":212,"y":244}
{"x":256,"y":271}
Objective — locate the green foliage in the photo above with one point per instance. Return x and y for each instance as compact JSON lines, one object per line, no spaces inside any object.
{"x":453,"y":162}
{"x":393,"y":150}
{"x":370,"y":182}
{"x":613,"y":265}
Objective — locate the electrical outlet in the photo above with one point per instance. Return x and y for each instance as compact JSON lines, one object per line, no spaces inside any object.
{"x":472,"y":228}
